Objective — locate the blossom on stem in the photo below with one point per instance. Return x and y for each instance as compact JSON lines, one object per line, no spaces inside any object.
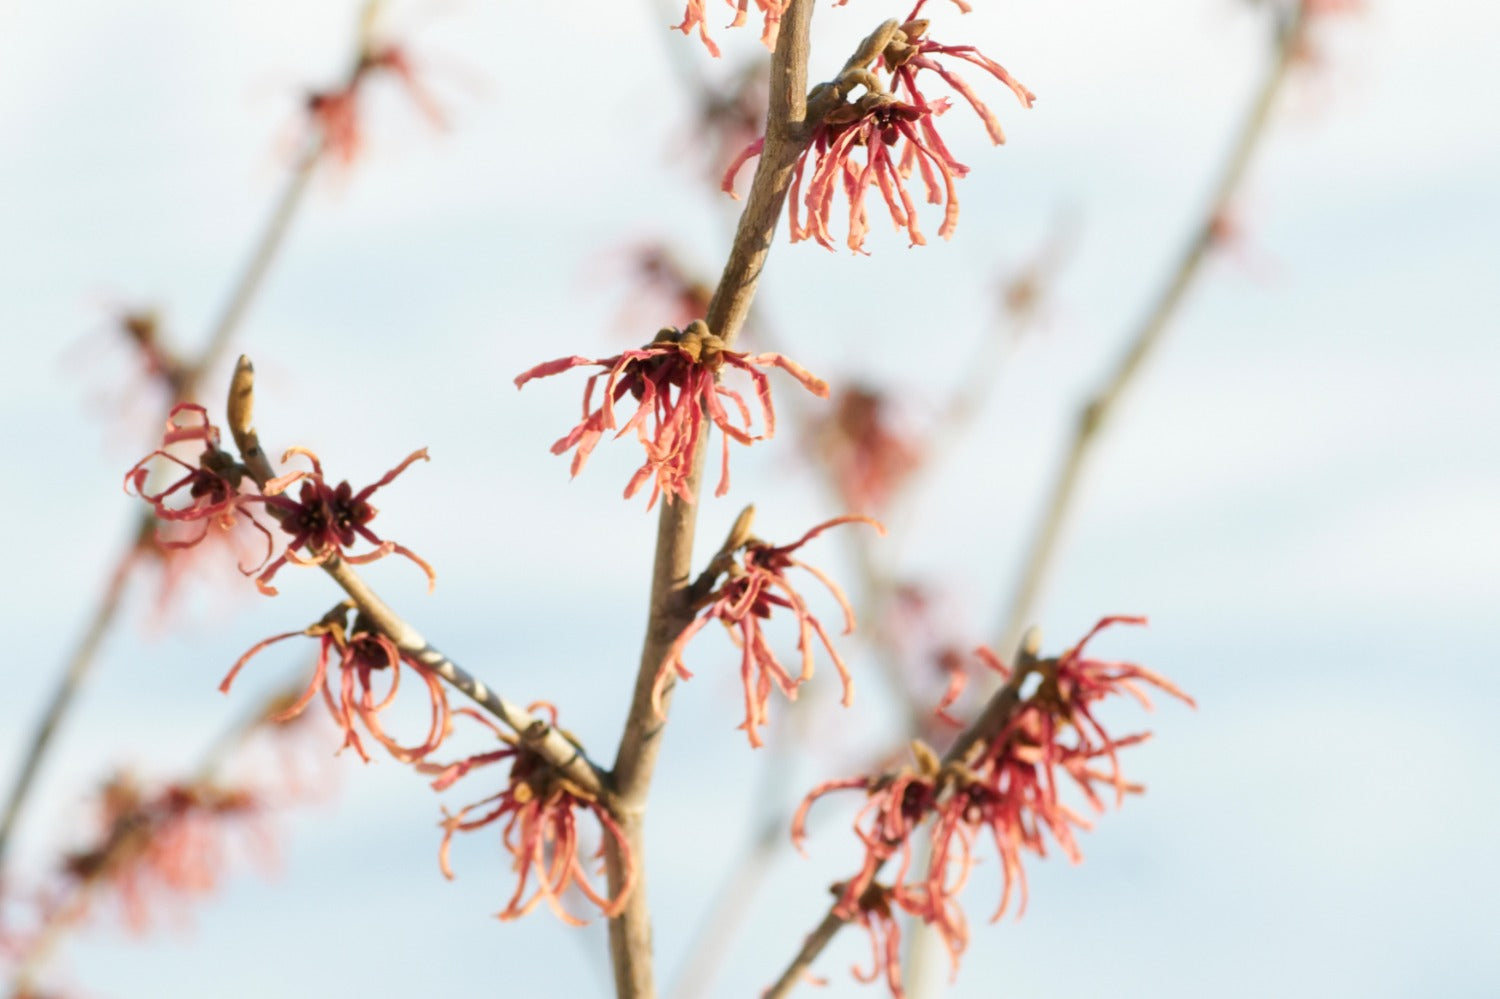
{"x":881,"y":119}
{"x":539,"y":807}
{"x":362,"y":652}
{"x":169,"y":843}
{"x":695,"y":15}
{"x":876,"y":909}
{"x":755,"y":586}
{"x":207,"y":494}
{"x":911,"y":52}
{"x":1006,"y":788}
{"x":675,"y":382}
{"x":325,"y":520}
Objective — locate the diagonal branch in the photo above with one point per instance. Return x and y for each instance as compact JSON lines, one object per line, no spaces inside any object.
{"x":1097,"y":412}
{"x":536,"y":734}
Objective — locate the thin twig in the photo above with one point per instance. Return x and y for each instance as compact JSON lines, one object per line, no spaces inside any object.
{"x":1098,"y":410}
{"x":539,"y":736}
{"x":72,"y":678}
{"x":67,"y":913}
{"x":185,"y":381}
{"x":640,"y":743}
{"x":988,"y":726}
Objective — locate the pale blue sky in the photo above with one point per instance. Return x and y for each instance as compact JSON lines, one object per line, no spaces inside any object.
{"x":1301,"y":493}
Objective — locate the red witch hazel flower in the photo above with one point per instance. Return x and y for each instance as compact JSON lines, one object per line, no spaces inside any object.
{"x":325,"y":520}
{"x":208,"y":494}
{"x":695,"y":15}
{"x":877,"y":122}
{"x":1007,"y":787}
{"x":539,"y":808}
{"x":335,"y":113}
{"x":362,"y":653}
{"x":754,"y":586}
{"x":674,"y":380}
{"x":170,"y":843}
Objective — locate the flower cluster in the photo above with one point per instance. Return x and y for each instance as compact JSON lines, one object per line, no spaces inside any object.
{"x":335,"y":113}
{"x":1008,"y":789}
{"x":325,"y":520}
{"x":168,"y":843}
{"x":893,"y":122}
{"x":675,"y":382}
{"x":539,"y":808}
{"x":362,"y":653}
{"x":695,"y":15}
{"x":208,"y":494}
{"x":869,"y":455}
{"x":755,"y":586}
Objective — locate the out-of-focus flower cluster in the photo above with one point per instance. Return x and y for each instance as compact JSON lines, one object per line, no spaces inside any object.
{"x":1007,"y":789}
{"x":868,"y":450}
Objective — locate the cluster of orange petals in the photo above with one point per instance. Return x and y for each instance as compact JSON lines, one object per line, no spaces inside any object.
{"x":539,"y":808}
{"x":169,"y":844}
{"x":755,"y":587}
{"x":1009,"y":790}
{"x":674,"y":381}
{"x":348,"y":688}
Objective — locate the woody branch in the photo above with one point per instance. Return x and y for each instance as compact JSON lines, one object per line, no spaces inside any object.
{"x":536,"y":734}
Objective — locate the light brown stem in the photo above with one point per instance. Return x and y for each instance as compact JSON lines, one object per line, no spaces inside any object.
{"x":74,"y":674}
{"x":988,"y":726}
{"x":1097,"y":411}
{"x":670,"y":609}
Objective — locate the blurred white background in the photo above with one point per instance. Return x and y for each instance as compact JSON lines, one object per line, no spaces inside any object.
{"x":1302,"y":492}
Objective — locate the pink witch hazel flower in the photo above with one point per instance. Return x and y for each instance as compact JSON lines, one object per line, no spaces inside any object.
{"x":675,"y":383}
{"x":755,"y":585}
{"x":1006,"y":789}
{"x":326,"y":520}
{"x":207,"y":495}
{"x":893,"y":125}
{"x":363,"y":655}
{"x":539,"y":808}
{"x":695,"y":15}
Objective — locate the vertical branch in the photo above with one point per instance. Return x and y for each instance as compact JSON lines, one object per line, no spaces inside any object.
{"x":640,"y":743}
{"x":1147,"y":335}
